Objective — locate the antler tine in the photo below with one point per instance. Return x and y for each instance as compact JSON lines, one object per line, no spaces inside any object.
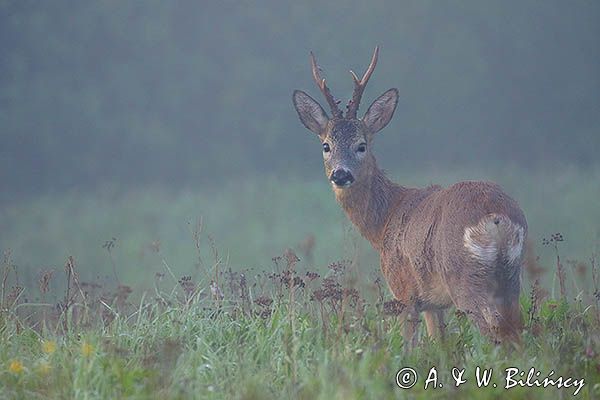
{"x":333,"y":104}
{"x":359,"y":86}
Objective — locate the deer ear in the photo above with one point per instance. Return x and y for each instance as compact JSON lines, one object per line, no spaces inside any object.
{"x":381,"y":111}
{"x":310,"y":112}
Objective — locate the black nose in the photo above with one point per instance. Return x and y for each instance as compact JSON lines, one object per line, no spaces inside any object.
{"x":341,"y":177}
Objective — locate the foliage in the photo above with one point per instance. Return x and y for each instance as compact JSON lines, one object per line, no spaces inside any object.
{"x":286,"y":333}
{"x":149,"y":307}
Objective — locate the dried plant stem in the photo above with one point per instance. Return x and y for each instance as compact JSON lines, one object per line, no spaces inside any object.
{"x":560,"y":272}
{"x":114,"y":267}
{"x":5,"y":272}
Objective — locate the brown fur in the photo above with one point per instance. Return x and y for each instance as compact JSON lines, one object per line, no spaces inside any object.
{"x":459,"y":246}
{"x":419,"y":235}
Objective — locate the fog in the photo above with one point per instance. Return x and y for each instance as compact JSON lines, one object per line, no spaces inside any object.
{"x":191,"y":92}
{"x":197,"y":96}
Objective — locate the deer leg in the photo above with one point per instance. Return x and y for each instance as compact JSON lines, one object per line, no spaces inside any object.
{"x":434,"y":320}
{"x":493,"y":306}
{"x":411,"y":322}
{"x":494,"y":320}
{"x":473,"y":306}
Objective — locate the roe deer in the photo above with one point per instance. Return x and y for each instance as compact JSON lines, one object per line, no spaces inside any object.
{"x":438,"y":247}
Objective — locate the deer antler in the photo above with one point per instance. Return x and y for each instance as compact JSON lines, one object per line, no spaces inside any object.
{"x":333,"y":104}
{"x":359,"y":86}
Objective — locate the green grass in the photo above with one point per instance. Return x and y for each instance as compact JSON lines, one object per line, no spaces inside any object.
{"x":170,"y":338}
{"x":173,"y":346}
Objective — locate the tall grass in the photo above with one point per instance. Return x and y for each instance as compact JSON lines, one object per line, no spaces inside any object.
{"x":133,"y":295}
{"x":284,"y":333}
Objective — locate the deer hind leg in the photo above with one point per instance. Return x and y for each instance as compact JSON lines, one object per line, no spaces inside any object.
{"x":434,"y":320}
{"x":496,"y":317}
{"x":489,"y":289}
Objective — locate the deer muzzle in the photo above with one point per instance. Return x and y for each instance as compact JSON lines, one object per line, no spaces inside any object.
{"x":341,"y":178}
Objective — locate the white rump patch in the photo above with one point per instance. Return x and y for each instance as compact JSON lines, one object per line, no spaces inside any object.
{"x":495,"y":235}
{"x":484,"y":252}
{"x":515,"y":243}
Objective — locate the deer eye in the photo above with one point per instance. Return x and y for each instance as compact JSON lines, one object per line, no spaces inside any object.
{"x":326,"y":148}
{"x":361,"y":148}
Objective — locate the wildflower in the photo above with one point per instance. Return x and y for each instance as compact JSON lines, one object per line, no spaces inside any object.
{"x":87,"y":349}
{"x":16,"y":367}
{"x":48,"y":346}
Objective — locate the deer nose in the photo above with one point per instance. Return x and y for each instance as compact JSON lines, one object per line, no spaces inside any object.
{"x":341,"y":177}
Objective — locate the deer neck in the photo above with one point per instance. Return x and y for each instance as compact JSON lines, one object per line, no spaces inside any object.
{"x":368,"y":204}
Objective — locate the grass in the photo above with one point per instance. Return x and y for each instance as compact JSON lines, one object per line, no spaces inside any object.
{"x":203,"y":309}
{"x":319,"y":339}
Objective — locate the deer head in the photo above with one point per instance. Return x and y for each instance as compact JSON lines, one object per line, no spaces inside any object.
{"x":346,"y":139}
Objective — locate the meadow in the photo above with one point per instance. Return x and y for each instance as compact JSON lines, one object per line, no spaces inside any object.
{"x":260,"y":288}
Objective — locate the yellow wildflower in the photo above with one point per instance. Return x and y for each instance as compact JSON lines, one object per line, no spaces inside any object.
{"x":87,"y":349}
{"x":16,"y":367}
{"x":48,"y":346}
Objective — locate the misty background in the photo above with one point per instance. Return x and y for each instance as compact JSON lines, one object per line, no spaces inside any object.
{"x":131,"y":119}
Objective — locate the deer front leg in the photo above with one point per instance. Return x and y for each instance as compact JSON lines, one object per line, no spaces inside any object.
{"x":411,"y":323}
{"x":434,"y":320}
